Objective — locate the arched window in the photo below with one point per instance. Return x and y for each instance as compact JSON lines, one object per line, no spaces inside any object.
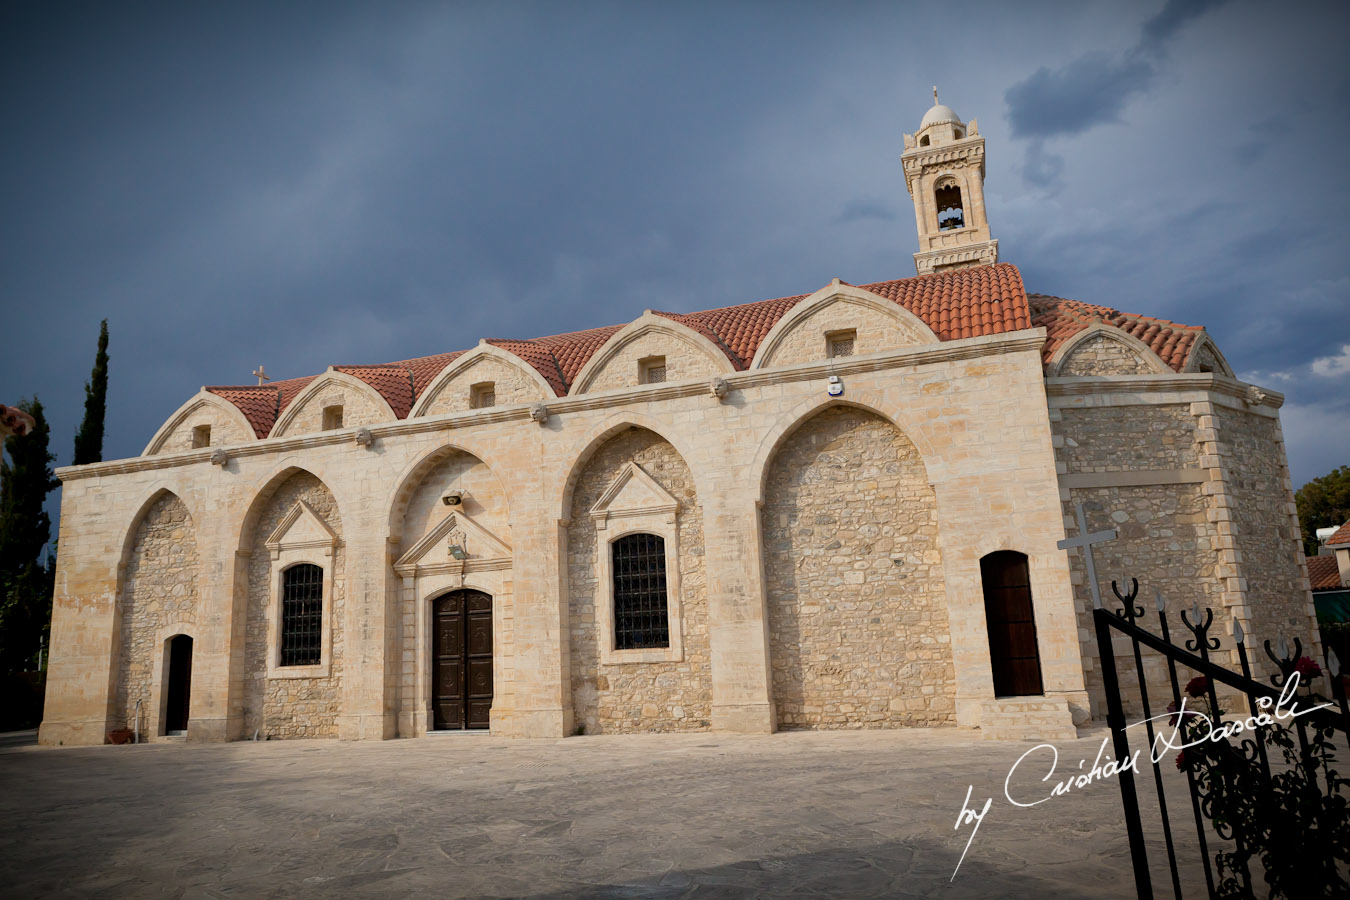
{"x":947,"y":197}
{"x":302,"y":615}
{"x":641,"y":618}
{"x":1012,"y":624}
{"x":923,"y":141}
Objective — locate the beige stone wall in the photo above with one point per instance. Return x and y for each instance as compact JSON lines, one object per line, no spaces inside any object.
{"x":225,"y":430}
{"x":651,"y":696}
{"x":512,"y":385}
{"x":1266,"y":535}
{"x":358,"y":408}
{"x":484,"y":498}
{"x":876,"y":331}
{"x":857,"y":615}
{"x":683,"y":362}
{"x":1128,"y":438}
{"x":158,"y":590}
{"x":1102,"y":355}
{"x":292,"y":707}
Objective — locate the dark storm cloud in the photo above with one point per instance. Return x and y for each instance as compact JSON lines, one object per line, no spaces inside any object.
{"x":1094,"y":88}
{"x":311,"y":185}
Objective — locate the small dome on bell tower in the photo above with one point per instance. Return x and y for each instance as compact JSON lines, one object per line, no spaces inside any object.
{"x":944,"y":171}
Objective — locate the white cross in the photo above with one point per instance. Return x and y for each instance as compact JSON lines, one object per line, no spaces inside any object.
{"x":1086,"y":541}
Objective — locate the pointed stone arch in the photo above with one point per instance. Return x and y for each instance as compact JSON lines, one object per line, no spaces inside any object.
{"x":684,"y":338}
{"x":215,"y":408}
{"x":911,"y":329}
{"x":377,"y":408}
{"x":1145,"y":360}
{"x":159,"y":585}
{"x":855,"y":591}
{"x":477,"y":357}
{"x":1205,"y":356}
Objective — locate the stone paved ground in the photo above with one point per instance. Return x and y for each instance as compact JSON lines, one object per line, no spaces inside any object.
{"x":817,"y":814}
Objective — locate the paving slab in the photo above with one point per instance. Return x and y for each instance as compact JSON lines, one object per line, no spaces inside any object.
{"x":859,"y":814}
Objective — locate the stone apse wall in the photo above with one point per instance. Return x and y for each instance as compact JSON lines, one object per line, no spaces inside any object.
{"x":971,"y":414}
{"x":1191,"y":474}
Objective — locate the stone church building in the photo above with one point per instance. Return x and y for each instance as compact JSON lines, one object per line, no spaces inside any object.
{"x":833,"y":510}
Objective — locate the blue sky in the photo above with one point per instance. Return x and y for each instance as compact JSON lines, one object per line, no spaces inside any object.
{"x":326,"y":183}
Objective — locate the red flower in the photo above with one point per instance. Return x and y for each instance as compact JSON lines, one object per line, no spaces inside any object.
{"x":1181,"y":761}
{"x":1197,"y":686}
{"x":1306,"y":667}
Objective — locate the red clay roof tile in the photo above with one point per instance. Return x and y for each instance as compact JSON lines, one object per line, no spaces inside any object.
{"x":1323,"y":573}
{"x":1341,"y":536}
{"x":970,"y":302}
{"x":1062,"y":319}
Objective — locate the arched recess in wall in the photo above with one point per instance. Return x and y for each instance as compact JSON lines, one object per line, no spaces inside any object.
{"x":636,"y":587}
{"x":159,"y":585}
{"x":854,"y":586}
{"x":227,"y":425}
{"x":293,"y":519}
{"x":685,"y":353}
{"x":1117,"y":353}
{"x":895,"y":326}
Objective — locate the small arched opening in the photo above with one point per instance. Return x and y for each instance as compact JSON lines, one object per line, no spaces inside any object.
{"x":950,"y":210}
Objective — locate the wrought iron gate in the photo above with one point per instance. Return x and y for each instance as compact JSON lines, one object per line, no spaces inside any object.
{"x":1268,"y":804}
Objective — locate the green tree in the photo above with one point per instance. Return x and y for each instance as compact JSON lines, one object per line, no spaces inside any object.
{"x":26,"y":479}
{"x":89,"y":440}
{"x":1323,"y":502}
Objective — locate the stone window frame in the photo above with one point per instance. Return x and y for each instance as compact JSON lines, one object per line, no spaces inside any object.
{"x":833,"y":338}
{"x":649,"y":366}
{"x":483,"y":395}
{"x":285,"y":555}
{"x":612,"y":524}
{"x":331,"y":417}
{"x":201,"y":436}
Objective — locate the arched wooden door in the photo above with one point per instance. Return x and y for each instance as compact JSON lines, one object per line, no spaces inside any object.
{"x":179,"y":691}
{"x":461,"y":677}
{"x":1012,"y":624}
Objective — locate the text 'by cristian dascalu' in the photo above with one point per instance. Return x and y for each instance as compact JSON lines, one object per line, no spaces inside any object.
{"x":1268,"y":712}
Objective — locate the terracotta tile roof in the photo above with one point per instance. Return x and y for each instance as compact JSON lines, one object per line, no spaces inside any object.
{"x":1342,"y":535}
{"x":971,"y":302}
{"x":1062,"y":319}
{"x":258,"y":404}
{"x":1323,"y":573}
{"x":425,"y":370}
{"x":394,"y":383}
{"x":14,"y":420}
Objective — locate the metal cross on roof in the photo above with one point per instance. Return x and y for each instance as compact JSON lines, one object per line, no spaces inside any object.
{"x":261,"y":374}
{"x":1086,"y":541}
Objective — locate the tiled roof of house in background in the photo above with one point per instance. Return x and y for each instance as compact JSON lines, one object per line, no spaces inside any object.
{"x":1342,"y":535}
{"x":1323,"y":573}
{"x":1062,"y":319}
{"x":971,"y":302}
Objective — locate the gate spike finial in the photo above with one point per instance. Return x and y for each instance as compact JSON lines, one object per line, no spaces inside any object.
{"x":1237,"y":631}
{"x":1159,"y":597}
{"x":1195,"y":611}
{"x":1283,"y":646}
{"x":1333,"y":664}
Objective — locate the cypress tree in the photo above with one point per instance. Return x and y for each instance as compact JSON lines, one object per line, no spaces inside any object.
{"x":89,"y":440}
{"x":26,"y":478}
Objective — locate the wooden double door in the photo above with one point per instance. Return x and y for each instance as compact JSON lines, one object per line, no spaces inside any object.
{"x":461,"y":674}
{"x":1013,"y":653}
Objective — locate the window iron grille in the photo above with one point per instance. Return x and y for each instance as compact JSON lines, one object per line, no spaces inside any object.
{"x":640,"y":616}
{"x":302,"y":615}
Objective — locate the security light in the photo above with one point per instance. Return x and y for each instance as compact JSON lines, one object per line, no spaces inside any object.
{"x":458,"y":552}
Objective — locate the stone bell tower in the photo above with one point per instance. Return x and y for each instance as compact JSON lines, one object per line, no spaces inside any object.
{"x":944,"y":171}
